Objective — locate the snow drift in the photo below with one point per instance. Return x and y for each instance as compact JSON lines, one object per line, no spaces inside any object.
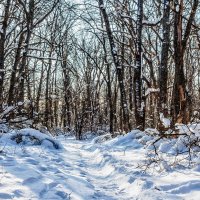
{"x":31,"y":137}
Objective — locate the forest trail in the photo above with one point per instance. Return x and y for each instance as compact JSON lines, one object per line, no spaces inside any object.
{"x":79,"y":171}
{"x":83,"y":170}
{"x":99,"y":169}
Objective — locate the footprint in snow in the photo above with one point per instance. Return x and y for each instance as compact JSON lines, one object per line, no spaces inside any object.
{"x":48,"y":188}
{"x":83,"y":174}
{"x":182,"y":188}
{"x":9,"y":163}
{"x":100,"y":195}
{"x":52,"y":185}
{"x":62,"y":194}
{"x":131,"y":179}
{"x":25,"y":155}
{"x":44,"y":190}
{"x":5,"y":196}
{"x":42,"y":168}
{"x":30,"y":180}
{"x":57,"y":160}
{"x":32,"y":161}
{"x":81,"y":164}
{"x":55,"y":170}
{"x":17,"y":193}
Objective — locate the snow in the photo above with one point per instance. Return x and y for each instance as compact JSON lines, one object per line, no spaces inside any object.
{"x":146,"y":22}
{"x":165,"y":121}
{"x":151,"y":90}
{"x":102,"y":168}
{"x":20,"y":103}
{"x":30,"y":136}
{"x":177,"y":8}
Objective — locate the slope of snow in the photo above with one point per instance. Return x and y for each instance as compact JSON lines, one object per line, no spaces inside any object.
{"x":86,"y":170}
{"x":29,"y":136}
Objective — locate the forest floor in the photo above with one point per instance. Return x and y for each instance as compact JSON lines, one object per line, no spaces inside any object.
{"x":90,"y":169}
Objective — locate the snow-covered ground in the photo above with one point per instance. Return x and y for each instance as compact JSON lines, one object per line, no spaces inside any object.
{"x":89,"y":169}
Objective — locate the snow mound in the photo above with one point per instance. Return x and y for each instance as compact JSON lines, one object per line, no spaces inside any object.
{"x":31,"y":137}
{"x":130,"y":139}
{"x":102,"y":138}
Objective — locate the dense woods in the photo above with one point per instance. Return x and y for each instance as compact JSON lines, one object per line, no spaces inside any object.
{"x":87,"y":65}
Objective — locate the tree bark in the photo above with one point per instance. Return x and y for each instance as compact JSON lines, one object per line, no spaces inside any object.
{"x":180,"y":94}
{"x":138,"y":87}
{"x":119,"y":70}
{"x":2,"y":48}
{"x":22,"y":70}
{"x":163,"y":68}
{"x":12,"y":87}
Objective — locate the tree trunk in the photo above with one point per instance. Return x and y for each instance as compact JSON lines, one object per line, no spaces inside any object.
{"x":47,"y":96}
{"x":138,"y":97}
{"x":180,"y":94}
{"x":11,"y":96}
{"x":67,"y":94}
{"x":2,"y":48}
{"x":22,"y":70}
{"x":115,"y":56}
{"x":163,"y":70}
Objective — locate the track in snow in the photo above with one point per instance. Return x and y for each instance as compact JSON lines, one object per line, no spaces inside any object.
{"x":81,"y":171}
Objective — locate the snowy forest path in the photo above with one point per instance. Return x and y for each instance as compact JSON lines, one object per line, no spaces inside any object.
{"x":98,"y":167}
{"x":81,"y":170}
{"x":86,"y":170}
